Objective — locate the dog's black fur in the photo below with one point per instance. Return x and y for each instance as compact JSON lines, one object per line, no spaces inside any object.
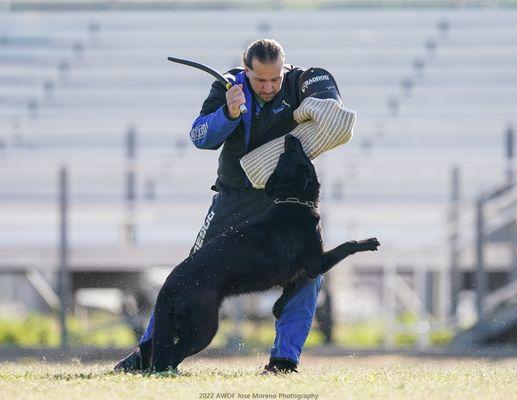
{"x":273,"y":249}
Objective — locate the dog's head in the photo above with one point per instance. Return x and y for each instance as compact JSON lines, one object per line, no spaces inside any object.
{"x":294,"y":175}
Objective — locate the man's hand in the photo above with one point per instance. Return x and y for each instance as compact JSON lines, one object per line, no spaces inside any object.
{"x":234,"y":99}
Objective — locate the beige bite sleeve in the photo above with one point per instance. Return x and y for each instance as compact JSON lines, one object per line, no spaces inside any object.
{"x":323,"y":125}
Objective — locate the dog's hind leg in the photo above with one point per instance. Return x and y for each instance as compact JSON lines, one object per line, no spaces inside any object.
{"x":332,"y":257}
{"x":163,"y":339}
{"x":197,"y":333}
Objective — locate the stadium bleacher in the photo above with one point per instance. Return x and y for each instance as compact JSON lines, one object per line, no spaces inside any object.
{"x":432,"y":89}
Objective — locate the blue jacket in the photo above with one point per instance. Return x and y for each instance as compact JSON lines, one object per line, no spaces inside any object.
{"x":214,"y":127}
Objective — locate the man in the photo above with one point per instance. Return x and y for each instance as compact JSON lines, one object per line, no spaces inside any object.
{"x":270,"y":90}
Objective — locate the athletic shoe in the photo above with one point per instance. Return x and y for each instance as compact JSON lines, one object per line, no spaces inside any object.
{"x":283,"y":366}
{"x":132,"y":363}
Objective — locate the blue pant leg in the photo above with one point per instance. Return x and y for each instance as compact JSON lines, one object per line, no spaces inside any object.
{"x":148,"y":334}
{"x":207,"y":233}
{"x":294,"y":324}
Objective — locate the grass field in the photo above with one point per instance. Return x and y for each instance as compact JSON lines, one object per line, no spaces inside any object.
{"x":380,"y":377}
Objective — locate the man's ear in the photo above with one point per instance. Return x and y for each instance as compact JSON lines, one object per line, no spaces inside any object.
{"x":270,"y":184}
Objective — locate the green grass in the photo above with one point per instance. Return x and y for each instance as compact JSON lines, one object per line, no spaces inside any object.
{"x":39,"y":330}
{"x":357,"y":335}
{"x":329,"y":378}
{"x":106,"y":330}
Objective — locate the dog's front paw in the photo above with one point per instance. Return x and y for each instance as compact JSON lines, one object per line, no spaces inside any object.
{"x":369,"y":244}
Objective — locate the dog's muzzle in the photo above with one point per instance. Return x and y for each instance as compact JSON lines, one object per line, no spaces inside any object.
{"x":323,"y":125}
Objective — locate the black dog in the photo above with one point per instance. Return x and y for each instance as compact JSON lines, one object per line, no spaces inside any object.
{"x":276,"y":248}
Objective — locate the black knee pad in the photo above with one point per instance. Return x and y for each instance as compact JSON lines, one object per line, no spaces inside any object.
{"x":287,"y":294}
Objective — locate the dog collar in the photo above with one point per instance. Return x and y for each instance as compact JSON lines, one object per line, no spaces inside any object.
{"x":296,"y":200}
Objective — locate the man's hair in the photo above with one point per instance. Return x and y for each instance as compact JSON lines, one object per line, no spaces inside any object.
{"x":267,"y":51}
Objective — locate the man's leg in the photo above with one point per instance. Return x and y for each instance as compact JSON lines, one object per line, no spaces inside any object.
{"x":148,"y":334}
{"x":227,"y":208}
{"x":140,"y":358}
{"x":202,"y":236}
{"x":293,"y":326}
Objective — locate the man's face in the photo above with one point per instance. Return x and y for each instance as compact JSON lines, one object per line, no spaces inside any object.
{"x":266,"y":79}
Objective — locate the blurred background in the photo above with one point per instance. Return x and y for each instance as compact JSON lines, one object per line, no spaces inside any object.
{"x":102,"y":192}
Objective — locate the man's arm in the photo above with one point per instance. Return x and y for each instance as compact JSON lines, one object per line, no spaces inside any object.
{"x":214,"y":123}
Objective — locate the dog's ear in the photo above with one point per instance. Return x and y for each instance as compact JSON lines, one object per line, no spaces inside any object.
{"x":270,"y":184}
{"x":292,"y":143}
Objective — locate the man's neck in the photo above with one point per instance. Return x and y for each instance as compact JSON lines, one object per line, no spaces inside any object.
{"x":259,"y":100}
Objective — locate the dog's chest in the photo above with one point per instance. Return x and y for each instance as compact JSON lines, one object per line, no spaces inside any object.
{"x":293,"y":246}
{"x":297,"y":241}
